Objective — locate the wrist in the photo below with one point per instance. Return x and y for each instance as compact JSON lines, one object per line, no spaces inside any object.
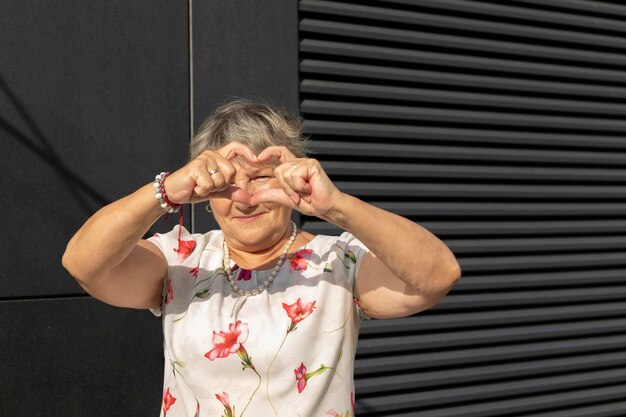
{"x":154,"y":210}
{"x":338,"y":214}
{"x":161,"y":194}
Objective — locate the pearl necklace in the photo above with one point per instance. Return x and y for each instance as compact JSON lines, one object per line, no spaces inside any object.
{"x":272,"y":276}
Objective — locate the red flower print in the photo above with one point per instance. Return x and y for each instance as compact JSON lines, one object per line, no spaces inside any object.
{"x":244,"y":275}
{"x":168,"y":400}
{"x":298,"y":312}
{"x":170,"y":294}
{"x":298,"y":263}
{"x":301,"y":377}
{"x":352,"y":401}
{"x":223,"y":397}
{"x":195,"y":271}
{"x":334,"y":413}
{"x":229,"y":342}
{"x":184,"y":249}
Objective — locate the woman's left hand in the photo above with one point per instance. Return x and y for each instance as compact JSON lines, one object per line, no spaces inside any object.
{"x":304,"y":184}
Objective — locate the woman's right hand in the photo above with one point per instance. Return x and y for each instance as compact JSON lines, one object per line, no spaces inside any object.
{"x":193,"y":183}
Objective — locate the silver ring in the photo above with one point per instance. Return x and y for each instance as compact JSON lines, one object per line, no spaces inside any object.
{"x":214,"y":171}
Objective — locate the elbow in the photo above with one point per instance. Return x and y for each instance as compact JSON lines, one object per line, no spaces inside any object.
{"x":449,"y":275}
{"x":447,"y":270}
{"x":66,"y":261}
{"x":454,"y":275}
{"x":72,"y":266}
{"x":69,"y":265}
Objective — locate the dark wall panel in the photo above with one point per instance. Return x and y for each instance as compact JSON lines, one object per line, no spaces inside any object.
{"x":499,"y":127}
{"x":79,"y":357}
{"x":243,"y":49}
{"x":93,"y":103}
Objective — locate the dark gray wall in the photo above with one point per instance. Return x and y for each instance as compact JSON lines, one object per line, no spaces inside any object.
{"x":243,"y":49}
{"x":93,"y":103}
{"x":498,"y":126}
{"x":513,"y":153}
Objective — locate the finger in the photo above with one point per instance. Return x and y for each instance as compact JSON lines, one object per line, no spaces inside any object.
{"x":287,"y":189}
{"x":204,"y":184}
{"x":298,"y":177}
{"x":234,"y":149}
{"x":286,"y":174}
{"x":219,"y":182}
{"x":215,"y":173}
{"x":227,"y":170}
{"x":236,"y":194}
{"x":272,"y":195}
{"x":282,"y":153}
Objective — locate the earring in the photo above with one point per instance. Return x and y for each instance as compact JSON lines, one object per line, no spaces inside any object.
{"x":208,"y":208}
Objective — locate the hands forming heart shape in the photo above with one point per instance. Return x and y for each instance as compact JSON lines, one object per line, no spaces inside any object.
{"x":301,"y":183}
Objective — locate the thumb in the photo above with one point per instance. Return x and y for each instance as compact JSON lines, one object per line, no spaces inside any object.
{"x":272,"y":195}
{"x":235,"y":194}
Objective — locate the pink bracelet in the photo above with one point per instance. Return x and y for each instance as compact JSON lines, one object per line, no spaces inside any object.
{"x":161,"y":195}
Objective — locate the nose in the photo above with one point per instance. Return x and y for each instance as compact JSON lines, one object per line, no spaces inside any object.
{"x":247,"y":186}
{"x":251,"y":186}
{"x":244,"y":184}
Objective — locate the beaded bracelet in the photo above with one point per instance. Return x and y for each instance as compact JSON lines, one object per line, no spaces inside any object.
{"x":161,"y":195}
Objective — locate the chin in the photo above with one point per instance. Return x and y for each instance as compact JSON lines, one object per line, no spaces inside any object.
{"x":253,"y":234}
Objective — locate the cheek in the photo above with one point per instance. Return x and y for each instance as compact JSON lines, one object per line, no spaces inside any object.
{"x":282,"y":213}
{"x":220,"y":207}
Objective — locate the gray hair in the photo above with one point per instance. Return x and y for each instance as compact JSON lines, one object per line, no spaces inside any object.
{"x":255,"y":124}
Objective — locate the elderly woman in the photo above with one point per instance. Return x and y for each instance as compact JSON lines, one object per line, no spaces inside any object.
{"x":259,"y":318}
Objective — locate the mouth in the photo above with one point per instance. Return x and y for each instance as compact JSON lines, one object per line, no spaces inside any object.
{"x":248,"y":219}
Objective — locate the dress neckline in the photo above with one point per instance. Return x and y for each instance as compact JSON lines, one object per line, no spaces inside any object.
{"x":269,"y":271}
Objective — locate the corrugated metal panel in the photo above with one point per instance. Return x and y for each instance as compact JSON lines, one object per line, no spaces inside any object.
{"x":498,"y":126}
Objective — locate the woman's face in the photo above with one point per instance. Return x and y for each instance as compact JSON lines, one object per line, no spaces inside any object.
{"x":252,"y":228}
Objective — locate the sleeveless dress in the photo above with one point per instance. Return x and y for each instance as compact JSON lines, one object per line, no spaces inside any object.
{"x":286,"y":352}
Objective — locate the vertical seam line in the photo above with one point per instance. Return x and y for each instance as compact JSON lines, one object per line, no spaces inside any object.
{"x":191,"y":115}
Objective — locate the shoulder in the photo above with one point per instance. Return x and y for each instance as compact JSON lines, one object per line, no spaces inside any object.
{"x":179,"y":244}
{"x":345,"y":246}
{"x":345,"y":240}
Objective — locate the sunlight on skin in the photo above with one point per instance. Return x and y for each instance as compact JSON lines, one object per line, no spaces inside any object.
{"x":251,"y":240}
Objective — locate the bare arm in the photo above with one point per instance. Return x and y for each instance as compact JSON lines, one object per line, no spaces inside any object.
{"x":107,"y":256}
{"x":408,"y":268}
{"x":110,"y":261}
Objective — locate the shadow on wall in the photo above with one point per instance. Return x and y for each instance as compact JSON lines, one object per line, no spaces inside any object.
{"x":39,"y":145}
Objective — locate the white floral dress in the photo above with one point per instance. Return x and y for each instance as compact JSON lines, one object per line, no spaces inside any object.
{"x":288,"y":351}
